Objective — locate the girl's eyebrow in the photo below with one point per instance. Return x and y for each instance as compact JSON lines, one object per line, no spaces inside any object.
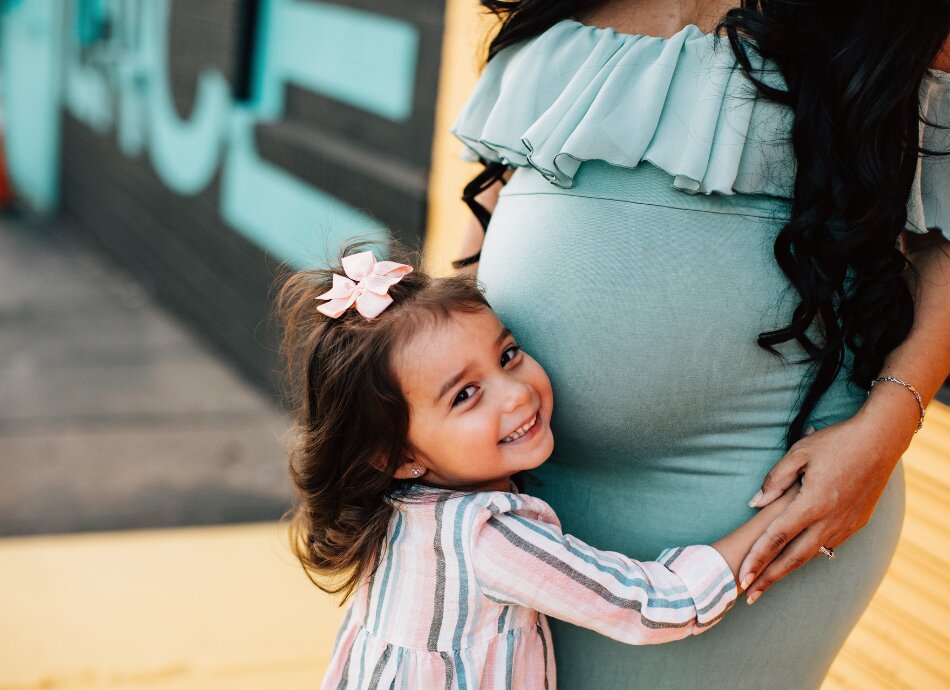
{"x":452,"y":382}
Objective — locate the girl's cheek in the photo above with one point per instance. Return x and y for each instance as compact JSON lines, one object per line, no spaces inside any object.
{"x":543,"y":382}
{"x":479,"y":426}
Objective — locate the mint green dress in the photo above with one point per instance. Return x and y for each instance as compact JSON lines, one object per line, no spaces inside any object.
{"x":631,"y":254}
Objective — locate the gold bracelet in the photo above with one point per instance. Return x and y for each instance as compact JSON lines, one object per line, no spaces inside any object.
{"x":909,"y":387}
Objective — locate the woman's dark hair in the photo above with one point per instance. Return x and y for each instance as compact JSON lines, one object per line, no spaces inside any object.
{"x":853,"y":70}
{"x":352,"y":417}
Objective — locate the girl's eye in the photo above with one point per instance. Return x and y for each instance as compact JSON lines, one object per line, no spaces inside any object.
{"x":509,"y":354}
{"x":464,"y":395}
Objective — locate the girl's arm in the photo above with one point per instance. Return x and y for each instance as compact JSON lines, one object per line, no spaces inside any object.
{"x":735,"y":546}
{"x":684,"y":592}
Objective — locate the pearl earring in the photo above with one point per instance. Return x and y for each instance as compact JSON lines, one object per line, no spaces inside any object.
{"x":415,"y":471}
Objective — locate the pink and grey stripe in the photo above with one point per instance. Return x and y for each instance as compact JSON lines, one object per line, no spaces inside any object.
{"x":464,"y":582}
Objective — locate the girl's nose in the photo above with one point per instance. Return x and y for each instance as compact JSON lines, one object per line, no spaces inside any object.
{"x":517,"y":395}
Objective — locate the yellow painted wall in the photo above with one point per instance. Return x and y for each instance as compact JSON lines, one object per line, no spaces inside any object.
{"x":465,"y":41}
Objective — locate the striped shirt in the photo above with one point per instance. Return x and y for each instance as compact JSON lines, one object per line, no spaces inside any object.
{"x":465,"y":580}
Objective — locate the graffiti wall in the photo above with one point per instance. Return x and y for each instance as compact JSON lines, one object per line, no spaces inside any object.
{"x":203,"y":143}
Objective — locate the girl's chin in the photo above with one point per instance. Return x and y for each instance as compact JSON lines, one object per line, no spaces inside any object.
{"x":542,"y":458}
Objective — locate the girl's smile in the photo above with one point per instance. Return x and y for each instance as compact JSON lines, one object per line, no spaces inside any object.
{"x":480,"y":408}
{"x":527,"y":430}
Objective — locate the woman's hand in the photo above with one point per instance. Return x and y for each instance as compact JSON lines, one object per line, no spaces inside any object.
{"x":844,"y":469}
{"x":845,"y":466}
{"x":734,"y":547}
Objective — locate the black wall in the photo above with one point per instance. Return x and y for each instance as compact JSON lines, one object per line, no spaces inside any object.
{"x":218,"y":281}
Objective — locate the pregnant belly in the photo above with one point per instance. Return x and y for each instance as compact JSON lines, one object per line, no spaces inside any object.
{"x":644,"y":305}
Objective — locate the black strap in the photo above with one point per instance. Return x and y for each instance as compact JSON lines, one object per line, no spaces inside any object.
{"x":492,"y":173}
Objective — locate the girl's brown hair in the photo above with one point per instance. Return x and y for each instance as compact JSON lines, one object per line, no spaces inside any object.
{"x":352,"y":417}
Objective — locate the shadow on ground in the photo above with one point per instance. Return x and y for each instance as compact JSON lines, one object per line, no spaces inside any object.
{"x":112,"y":414}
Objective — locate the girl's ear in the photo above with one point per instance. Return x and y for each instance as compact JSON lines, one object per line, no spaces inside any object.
{"x":409,"y":469}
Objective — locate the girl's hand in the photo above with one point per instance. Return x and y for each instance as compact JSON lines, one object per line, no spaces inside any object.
{"x":844,"y":469}
{"x":735,"y":546}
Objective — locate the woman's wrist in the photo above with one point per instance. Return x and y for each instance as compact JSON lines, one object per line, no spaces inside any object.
{"x":891,"y":414}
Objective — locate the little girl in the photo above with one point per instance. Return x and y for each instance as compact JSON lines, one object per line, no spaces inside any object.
{"x":416,"y":406}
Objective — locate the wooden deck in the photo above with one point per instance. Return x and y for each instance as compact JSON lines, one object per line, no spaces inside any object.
{"x":908,"y":645}
{"x":227,"y":608}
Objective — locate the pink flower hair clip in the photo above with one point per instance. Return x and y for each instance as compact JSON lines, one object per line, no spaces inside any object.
{"x":370,"y":292}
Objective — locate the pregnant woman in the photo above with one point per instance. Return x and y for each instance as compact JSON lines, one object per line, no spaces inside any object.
{"x":736,"y":200}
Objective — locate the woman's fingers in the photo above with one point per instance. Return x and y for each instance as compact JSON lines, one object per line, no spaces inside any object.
{"x":796,"y":554}
{"x":773,"y":541}
{"x":782,"y":475}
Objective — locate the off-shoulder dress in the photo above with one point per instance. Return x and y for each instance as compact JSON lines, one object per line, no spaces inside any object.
{"x":631,"y":252}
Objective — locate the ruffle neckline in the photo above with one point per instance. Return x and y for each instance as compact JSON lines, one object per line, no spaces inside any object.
{"x":576,"y":93}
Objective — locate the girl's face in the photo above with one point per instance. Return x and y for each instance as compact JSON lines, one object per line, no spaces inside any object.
{"x":480,"y":408}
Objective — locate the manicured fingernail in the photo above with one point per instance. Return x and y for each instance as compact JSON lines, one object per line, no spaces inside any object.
{"x":809,"y":430}
{"x":755,"y":499}
{"x":752,"y":597}
{"x":746,"y":581}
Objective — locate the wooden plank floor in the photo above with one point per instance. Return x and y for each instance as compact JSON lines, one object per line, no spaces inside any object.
{"x":227,"y":608}
{"x":908,"y":646}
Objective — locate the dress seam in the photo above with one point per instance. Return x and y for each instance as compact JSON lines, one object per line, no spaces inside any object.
{"x":646,"y":203}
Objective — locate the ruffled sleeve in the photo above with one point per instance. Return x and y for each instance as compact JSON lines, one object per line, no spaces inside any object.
{"x":577,"y":93}
{"x":929,"y":204}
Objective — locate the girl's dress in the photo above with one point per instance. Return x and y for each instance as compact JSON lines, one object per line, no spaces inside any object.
{"x":455,"y":598}
{"x":631,"y":253}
